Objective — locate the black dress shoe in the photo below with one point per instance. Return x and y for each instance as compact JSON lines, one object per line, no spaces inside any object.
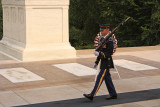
{"x":112,"y":97}
{"x":89,"y":96}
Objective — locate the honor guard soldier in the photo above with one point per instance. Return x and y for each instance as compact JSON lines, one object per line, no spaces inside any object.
{"x":104,"y":56}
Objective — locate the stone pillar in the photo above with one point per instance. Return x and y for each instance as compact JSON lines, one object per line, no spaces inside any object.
{"x":36,"y":30}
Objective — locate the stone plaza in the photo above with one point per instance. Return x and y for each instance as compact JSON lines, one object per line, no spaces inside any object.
{"x":51,"y":84}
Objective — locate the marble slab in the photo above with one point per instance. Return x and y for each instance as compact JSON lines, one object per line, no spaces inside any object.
{"x":17,"y":75}
{"x":76,"y":69}
{"x":131,"y":65}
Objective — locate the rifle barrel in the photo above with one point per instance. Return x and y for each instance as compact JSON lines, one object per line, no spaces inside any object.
{"x":110,"y":34}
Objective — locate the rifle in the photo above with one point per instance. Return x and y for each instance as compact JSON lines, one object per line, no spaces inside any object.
{"x":106,"y":38}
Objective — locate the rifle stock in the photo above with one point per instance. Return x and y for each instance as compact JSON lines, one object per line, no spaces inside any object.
{"x":106,"y":38}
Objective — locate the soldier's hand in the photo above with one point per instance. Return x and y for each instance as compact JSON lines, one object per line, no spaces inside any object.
{"x":96,"y":53}
{"x":95,"y":65}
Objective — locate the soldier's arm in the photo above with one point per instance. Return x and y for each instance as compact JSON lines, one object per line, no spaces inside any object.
{"x":97,"y":60}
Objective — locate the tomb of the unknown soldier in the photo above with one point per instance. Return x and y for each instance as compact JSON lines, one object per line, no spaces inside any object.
{"x":36,"y":30}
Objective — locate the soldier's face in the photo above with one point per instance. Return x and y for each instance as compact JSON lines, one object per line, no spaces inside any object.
{"x":105,"y":32}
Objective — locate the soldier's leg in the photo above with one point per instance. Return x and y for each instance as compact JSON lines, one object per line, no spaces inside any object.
{"x":109,"y":84}
{"x":99,"y":81}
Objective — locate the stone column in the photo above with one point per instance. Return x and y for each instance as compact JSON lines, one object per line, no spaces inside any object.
{"x":36,"y":30}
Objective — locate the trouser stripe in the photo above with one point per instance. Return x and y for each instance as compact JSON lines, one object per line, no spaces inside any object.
{"x":100,"y":81}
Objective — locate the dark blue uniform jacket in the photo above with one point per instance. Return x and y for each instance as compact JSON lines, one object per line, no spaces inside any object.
{"x":105,"y":55}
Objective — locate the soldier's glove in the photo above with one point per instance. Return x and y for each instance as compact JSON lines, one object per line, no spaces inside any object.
{"x":96,"y":53}
{"x":95,"y":65}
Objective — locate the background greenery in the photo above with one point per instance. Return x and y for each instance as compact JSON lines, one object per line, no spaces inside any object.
{"x":142,"y":29}
{"x":85,"y":16}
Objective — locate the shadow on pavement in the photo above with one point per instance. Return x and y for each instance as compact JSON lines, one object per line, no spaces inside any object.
{"x":99,"y":101}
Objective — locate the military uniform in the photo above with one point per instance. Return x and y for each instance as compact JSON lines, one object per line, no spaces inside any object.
{"x":106,"y":64}
{"x":105,"y":55}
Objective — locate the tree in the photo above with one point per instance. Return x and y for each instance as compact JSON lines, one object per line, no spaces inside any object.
{"x":141,"y":29}
{"x":151,"y":32}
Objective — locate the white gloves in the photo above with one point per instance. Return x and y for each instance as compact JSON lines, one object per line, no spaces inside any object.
{"x":95,"y":65}
{"x":96,"y":53}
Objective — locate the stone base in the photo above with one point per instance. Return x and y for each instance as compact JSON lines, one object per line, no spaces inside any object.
{"x":51,"y":52}
{"x":35,"y":30}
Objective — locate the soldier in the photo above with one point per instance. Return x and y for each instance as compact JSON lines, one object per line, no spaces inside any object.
{"x":105,"y":55}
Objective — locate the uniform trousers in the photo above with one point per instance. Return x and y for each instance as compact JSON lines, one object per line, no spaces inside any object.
{"x":104,"y":74}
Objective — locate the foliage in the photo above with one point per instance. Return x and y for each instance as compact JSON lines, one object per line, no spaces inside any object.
{"x":142,"y":29}
{"x":151,"y":33}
